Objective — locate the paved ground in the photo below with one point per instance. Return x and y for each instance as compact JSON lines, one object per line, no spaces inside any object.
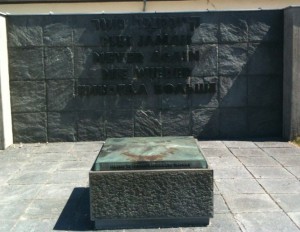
{"x":44,"y":187}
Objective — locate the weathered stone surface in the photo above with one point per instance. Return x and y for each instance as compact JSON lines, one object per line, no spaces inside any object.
{"x":89,"y":103}
{"x":265,"y":91}
{"x":25,"y":31}
{"x":119,"y":123}
{"x":59,"y":63}
{"x":232,"y":59}
{"x":57,"y":30}
{"x":28,"y":96}
{"x":29,"y":127}
{"x":171,"y":101}
{"x":265,"y":59}
{"x":62,"y":126}
{"x":191,"y":195}
{"x":266,"y":26}
{"x":91,"y":126}
{"x":205,"y":123}
{"x":26,"y":63}
{"x":147,"y":123}
{"x":175,"y":123}
{"x":233,"y":123}
{"x":207,"y":64}
{"x":265,"y":122}
{"x":60,"y":95}
{"x":118,"y":102}
{"x":85,"y":32}
{"x":148,"y":101}
{"x":233,"y":91}
{"x":207,"y":31}
{"x":233,"y":27}
{"x":205,"y":99}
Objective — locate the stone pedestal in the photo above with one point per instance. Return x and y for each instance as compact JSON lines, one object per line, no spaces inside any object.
{"x":151,"y":196}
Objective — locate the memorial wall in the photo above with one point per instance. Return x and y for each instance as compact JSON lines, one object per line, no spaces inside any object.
{"x":90,"y":77}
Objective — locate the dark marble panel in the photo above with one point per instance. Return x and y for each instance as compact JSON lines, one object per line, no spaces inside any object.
{"x":28,"y":96}
{"x":62,"y":126}
{"x":233,"y":123}
{"x":119,"y":123}
{"x":147,"y":123}
{"x":205,"y":123}
{"x":26,"y":63}
{"x":29,"y":127}
{"x":91,"y":126}
{"x":175,"y":123}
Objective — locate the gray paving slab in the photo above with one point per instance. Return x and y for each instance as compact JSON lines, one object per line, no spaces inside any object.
{"x":14,"y":193}
{"x":65,"y":177}
{"x":231,"y":172}
{"x":9,"y":211}
{"x":274,"y":144}
{"x":223,"y":161}
{"x":258,"y":161}
{"x":211,"y":144}
{"x":289,"y":160}
{"x":219,"y":223}
{"x":75,"y":165}
{"x":294,"y":170}
{"x":282,"y":151}
{"x":216,"y":152}
{"x":280,"y":185}
{"x":219,"y":204}
{"x":239,"y":144}
{"x":265,"y":222}
{"x":238,"y":186}
{"x":31,"y":178}
{"x":58,"y":191}
{"x":288,"y":202}
{"x":6,"y":225}
{"x":38,"y":166}
{"x":295,"y":216}
{"x":241,"y":203}
{"x":248,"y":152}
{"x":34,"y":225}
{"x":270,"y":172}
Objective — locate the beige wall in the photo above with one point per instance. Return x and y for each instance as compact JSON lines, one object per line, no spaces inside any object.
{"x":159,"y":6}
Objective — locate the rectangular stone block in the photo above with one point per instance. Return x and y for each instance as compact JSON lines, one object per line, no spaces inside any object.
{"x":119,"y":123}
{"x":29,"y":127}
{"x":130,"y":188}
{"x":28,"y":96}
{"x":62,"y":126}
{"x":26,"y":63}
{"x":147,"y":123}
{"x":91,"y":126}
{"x":175,"y":123}
{"x":233,"y":59}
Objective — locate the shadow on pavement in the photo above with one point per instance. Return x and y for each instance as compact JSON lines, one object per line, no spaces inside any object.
{"x":76,"y":213}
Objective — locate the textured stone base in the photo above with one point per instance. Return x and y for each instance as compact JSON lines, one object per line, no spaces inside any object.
{"x":151,"y":198}
{"x":150,"y":223}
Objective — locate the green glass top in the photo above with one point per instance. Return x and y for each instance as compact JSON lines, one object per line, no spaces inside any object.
{"x":149,"y":153}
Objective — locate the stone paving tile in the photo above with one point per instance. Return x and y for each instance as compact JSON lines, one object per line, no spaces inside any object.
{"x":280,"y":185}
{"x":223,"y":161}
{"x":282,"y":151}
{"x":288,"y":160}
{"x":274,"y":144}
{"x":239,"y":144}
{"x":11,"y":211}
{"x":258,"y":161}
{"x":31,"y":178}
{"x":6,"y":225}
{"x":216,"y":152}
{"x":219,"y":223}
{"x":270,"y":172}
{"x":288,"y":202}
{"x":13,"y":193}
{"x":87,"y":146}
{"x":238,"y":186}
{"x":53,"y":157}
{"x":40,"y":166}
{"x":240,"y":203}
{"x":294,"y":170}
{"x":211,"y":144}
{"x":295,"y":216}
{"x":219,"y":205}
{"x":65,"y":177}
{"x":75,"y":165}
{"x":231,"y":172}
{"x":27,"y":225}
{"x":44,"y":209}
{"x":248,"y":152}
{"x":57,"y":191}
{"x":265,"y":222}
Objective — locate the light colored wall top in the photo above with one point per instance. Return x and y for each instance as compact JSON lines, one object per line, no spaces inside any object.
{"x":152,"y":6}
